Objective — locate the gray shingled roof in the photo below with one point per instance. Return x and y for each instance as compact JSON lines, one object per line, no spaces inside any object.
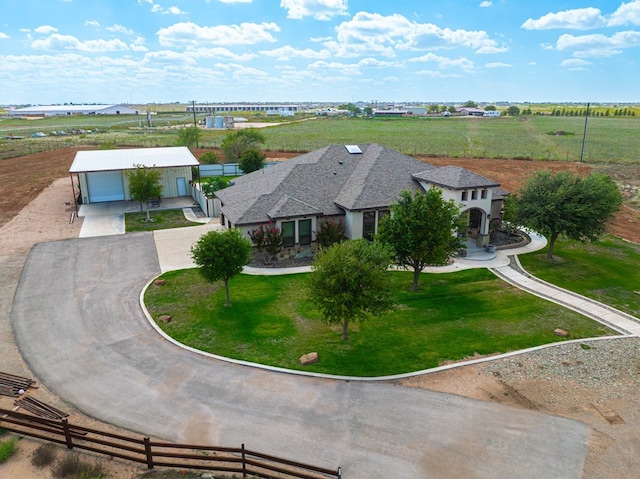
{"x":456,"y":178}
{"x":324,"y":181}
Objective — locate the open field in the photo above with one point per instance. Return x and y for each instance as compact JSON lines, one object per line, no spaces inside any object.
{"x":532,"y":137}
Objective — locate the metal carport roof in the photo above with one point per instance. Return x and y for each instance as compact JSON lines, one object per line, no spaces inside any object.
{"x":127,"y":159}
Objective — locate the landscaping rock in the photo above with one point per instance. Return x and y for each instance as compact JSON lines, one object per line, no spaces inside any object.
{"x":309,"y":358}
{"x":160,"y":282}
{"x":560,"y":332}
{"x":165,"y":318}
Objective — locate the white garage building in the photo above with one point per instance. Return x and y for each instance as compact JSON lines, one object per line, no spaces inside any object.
{"x":101,"y":174}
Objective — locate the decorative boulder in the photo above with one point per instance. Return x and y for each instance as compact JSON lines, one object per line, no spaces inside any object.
{"x":309,"y":358}
{"x":560,"y":332}
{"x":160,"y":282}
{"x":165,"y":318}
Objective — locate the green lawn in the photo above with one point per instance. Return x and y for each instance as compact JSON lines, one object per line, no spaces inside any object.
{"x":162,"y":220}
{"x":606,"y":270}
{"x":270,"y":322}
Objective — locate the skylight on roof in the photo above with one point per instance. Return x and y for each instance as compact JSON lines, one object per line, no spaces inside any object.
{"x":353,"y":149}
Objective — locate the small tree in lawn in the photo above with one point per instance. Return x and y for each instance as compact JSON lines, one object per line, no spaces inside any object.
{"x":267,"y":239}
{"x":144,"y":184}
{"x":235,"y":144}
{"x":422,"y":230}
{"x":221,"y":256}
{"x":350,"y":282}
{"x":189,"y":136}
{"x":565,"y":204}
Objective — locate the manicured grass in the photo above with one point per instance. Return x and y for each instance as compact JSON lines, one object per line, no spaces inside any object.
{"x":606,"y":270}
{"x":8,"y":448}
{"x":162,"y":220}
{"x":271,"y":322}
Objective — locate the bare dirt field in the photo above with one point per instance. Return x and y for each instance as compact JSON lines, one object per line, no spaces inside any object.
{"x":597,"y":384}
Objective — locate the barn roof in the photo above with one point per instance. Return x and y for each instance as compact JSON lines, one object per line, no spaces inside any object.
{"x":128,"y":159}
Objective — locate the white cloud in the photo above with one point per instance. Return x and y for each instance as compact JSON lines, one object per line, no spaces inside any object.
{"x":234,"y":1}
{"x":3,"y":36}
{"x":438,"y":74}
{"x":318,"y":9}
{"x":68,"y":42}
{"x":190,"y":34}
{"x":288,"y":52}
{"x":497,"y":65}
{"x":587,"y":18}
{"x":445,"y":62}
{"x":486,"y":4}
{"x":372,"y":33}
{"x":119,"y":29}
{"x":626,"y":14}
{"x":598,"y":45}
{"x":575,"y":62}
{"x":92,"y":23}
{"x":219,"y":53}
{"x":46,"y":29}
{"x":157,"y":8}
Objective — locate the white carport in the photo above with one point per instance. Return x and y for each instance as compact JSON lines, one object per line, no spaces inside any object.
{"x":101,"y":174}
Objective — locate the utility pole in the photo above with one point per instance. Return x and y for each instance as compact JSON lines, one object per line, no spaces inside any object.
{"x":193,"y":107}
{"x":584,"y":135}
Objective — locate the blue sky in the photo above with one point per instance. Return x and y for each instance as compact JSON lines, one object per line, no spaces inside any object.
{"x":144,"y":51}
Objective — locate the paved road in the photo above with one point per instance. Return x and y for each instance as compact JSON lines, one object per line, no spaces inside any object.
{"x":78,"y":324}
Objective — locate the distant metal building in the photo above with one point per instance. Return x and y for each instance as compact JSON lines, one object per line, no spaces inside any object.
{"x":68,"y":110}
{"x":246,"y":107}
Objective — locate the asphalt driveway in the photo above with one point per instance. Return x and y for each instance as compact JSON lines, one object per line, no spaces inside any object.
{"x":78,"y":323}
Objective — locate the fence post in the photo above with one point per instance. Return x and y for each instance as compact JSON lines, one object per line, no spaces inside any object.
{"x":244,"y":464}
{"x":67,"y":433}
{"x":147,"y":450}
{"x":339,"y":473}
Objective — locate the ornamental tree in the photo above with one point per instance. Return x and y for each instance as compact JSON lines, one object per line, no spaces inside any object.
{"x":350,"y":282}
{"x":221,"y":256}
{"x":144,"y":184}
{"x":565,"y":204}
{"x":421,"y":230}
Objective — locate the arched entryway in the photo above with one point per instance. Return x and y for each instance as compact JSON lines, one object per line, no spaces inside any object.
{"x":478,"y":225}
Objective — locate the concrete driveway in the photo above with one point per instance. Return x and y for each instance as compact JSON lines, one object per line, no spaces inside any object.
{"x":79,"y":325}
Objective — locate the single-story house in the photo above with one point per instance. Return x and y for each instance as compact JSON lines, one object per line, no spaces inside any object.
{"x":470,"y":111}
{"x":357,"y":183}
{"x":101,"y":174}
{"x":68,"y":110}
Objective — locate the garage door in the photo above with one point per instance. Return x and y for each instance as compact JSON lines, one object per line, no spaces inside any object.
{"x":105,"y":186}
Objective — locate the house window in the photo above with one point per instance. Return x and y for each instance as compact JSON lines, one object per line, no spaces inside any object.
{"x":382,"y":214}
{"x":368,"y":224}
{"x":465,"y":195}
{"x":288,"y":233}
{"x":304,"y":232}
{"x":474,"y":195}
{"x":483,"y":195}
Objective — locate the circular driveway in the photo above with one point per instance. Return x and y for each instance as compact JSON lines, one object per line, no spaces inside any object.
{"x":78,"y":323}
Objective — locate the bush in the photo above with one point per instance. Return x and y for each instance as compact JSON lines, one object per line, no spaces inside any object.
{"x":213,"y":184}
{"x":72,"y":467}
{"x":209,"y":158}
{"x":330,"y":232}
{"x":8,"y":448}
{"x":252,"y":160}
{"x":44,"y":455}
{"x":267,"y":239}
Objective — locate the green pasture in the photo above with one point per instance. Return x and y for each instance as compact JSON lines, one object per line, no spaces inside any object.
{"x":606,"y":270}
{"x":609,"y":139}
{"x":271,"y":322}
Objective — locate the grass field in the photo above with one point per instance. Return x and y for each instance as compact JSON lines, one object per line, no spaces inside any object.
{"x":610,"y":139}
{"x":161,"y":219}
{"x":612,"y":278}
{"x":271,"y":322}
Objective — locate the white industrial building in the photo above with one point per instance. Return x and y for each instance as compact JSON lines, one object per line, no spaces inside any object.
{"x":69,"y":110}
{"x":247,"y":107}
{"x":101,"y":174}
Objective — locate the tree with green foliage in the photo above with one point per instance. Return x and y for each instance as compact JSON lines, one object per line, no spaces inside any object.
{"x":565,"y":204}
{"x":349,"y":282}
{"x":513,"y":110}
{"x":368,"y":110}
{"x":221,"y":256}
{"x":212,"y":184}
{"x":252,"y":160}
{"x":452,"y":109}
{"x":208,"y":158}
{"x":490,"y":108}
{"x":235,"y":144}
{"x":422,"y":230}
{"x":144,"y":184}
{"x":189,"y":136}
{"x":470,"y":104}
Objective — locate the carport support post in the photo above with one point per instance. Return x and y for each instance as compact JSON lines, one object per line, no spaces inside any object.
{"x":67,"y":433}
{"x":73,"y":194}
{"x":244,"y":462}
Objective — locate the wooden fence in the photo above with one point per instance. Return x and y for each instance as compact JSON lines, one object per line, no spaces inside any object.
{"x":162,"y":454}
